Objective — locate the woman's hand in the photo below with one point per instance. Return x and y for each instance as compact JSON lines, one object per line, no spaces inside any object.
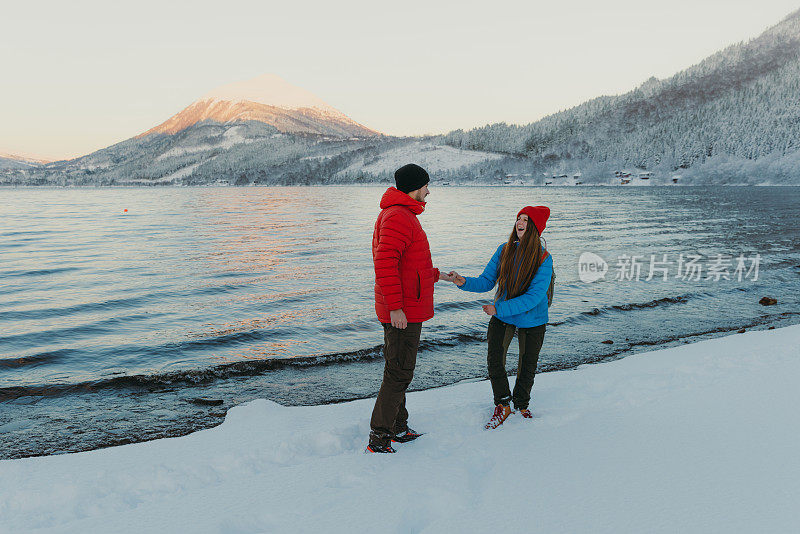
{"x":456,"y":278}
{"x":447,"y":277}
{"x":490,"y":309}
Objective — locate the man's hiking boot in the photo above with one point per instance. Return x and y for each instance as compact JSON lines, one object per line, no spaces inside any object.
{"x":375,"y":447}
{"x":526,"y":413}
{"x":406,"y":436}
{"x":501,"y":413}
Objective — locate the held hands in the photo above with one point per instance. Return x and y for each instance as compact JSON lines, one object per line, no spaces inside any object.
{"x":490,"y":309}
{"x":398,"y":318}
{"x":447,"y":277}
{"x":452,"y":276}
{"x":456,"y":278}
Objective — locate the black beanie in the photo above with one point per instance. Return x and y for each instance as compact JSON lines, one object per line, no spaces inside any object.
{"x":410,"y":177}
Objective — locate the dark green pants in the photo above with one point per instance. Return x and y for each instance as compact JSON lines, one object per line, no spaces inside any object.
{"x":530,"y":343}
{"x":400,"y":347}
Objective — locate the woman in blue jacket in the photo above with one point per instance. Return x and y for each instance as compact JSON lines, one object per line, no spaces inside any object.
{"x":521,"y":269}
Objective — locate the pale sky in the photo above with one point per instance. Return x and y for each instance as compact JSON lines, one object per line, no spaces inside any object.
{"x":82,"y":75}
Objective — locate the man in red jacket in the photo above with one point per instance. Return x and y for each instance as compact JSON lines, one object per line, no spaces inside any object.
{"x":404,"y":278}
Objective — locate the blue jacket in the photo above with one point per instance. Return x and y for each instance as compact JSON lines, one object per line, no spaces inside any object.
{"x":525,"y":311}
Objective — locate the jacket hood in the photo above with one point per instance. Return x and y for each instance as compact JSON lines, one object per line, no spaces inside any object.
{"x":395,"y":197}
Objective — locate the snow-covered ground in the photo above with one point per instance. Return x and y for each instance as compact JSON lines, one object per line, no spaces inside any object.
{"x":696,"y":438}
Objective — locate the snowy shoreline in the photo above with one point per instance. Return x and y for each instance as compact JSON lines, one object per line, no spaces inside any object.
{"x":699,"y":437}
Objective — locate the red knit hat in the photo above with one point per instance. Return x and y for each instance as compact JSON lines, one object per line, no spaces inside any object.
{"x":537,"y":214}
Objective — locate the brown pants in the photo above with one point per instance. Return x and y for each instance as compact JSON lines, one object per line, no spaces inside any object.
{"x":400,"y":352}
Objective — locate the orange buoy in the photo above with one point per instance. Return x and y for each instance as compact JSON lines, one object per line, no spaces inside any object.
{"x":125,"y":210}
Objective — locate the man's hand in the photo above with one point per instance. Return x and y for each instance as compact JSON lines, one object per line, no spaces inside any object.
{"x":456,"y":278}
{"x":490,"y":309}
{"x":398,"y":318}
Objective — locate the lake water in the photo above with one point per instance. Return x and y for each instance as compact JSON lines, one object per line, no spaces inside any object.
{"x":113,"y":322}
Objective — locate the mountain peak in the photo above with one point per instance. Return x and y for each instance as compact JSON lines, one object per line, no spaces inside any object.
{"x":271,"y":100}
{"x":268,"y":89}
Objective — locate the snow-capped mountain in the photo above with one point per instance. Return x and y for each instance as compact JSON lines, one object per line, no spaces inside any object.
{"x":271,"y":100}
{"x":260,"y":131}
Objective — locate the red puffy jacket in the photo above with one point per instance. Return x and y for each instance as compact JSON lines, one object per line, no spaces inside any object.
{"x":404,"y":272}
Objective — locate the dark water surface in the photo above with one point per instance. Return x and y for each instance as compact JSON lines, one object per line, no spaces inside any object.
{"x":111,"y":322}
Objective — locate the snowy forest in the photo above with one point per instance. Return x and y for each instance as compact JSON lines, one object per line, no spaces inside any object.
{"x":727,"y":113}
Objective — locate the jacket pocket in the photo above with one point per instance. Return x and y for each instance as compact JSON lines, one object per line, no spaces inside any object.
{"x":419,"y":286}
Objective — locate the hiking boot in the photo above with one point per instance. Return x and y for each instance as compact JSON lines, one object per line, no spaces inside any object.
{"x":407,"y":435}
{"x":501,"y":413}
{"x":526,"y":413}
{"x":381,"y":448}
